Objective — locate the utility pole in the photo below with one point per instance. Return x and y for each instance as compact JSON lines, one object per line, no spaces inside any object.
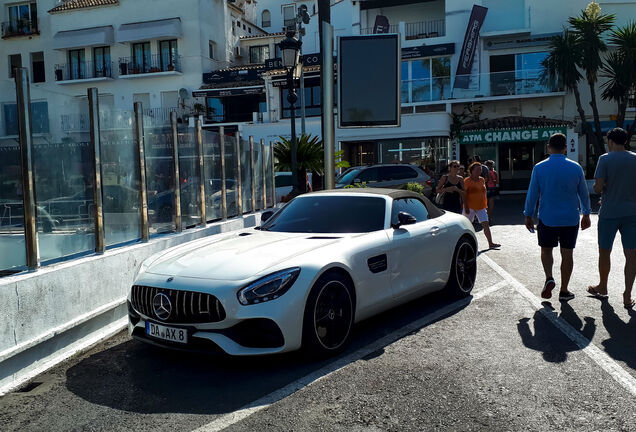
{"x":326,"y":89}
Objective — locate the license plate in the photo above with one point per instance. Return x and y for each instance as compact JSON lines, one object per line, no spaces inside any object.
{"x":167,"y":333}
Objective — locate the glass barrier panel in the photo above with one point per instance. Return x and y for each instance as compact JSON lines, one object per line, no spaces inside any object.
{"x":212,"y":169}
{"x":258,"y":175}
{"x":12,"y":243}
{"x":63,"y":170}
{"x":159,"y":175}
{"x":269,"y":174}
{"x":246,"y":177}
{"x":121,"y":195}
{"x":230,"y":176}
{"x":190,"y":176}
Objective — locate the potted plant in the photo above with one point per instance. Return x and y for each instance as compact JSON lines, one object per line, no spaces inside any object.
{"x":170,"y":67}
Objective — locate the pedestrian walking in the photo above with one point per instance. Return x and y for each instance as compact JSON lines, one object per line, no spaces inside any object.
{"x":492,"y":187}
{"x":615,"y":181}
{"x":462,"y":171}
{"x":484,"y":168}
{"x":451,"y":186}
{"x":558,"y":184}
{"x":476,"y":203}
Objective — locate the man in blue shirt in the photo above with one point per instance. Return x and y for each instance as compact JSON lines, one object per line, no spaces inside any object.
{"x":559,"y":185}
{"x":615,"y":174}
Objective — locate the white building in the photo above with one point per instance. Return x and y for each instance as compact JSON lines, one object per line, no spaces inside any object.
{"x":504,"y":91}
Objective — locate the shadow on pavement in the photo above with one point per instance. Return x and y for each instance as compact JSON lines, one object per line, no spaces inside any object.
{"x":621,"y":344}
{"x":548,"y":339}
{"x":140,"y":378}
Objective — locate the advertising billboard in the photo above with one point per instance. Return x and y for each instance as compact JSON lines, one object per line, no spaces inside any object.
{"x":369,"y":81}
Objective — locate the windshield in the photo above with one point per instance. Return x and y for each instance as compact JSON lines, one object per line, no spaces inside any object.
{"x":348,"y":177}
{"x":329,"y":214}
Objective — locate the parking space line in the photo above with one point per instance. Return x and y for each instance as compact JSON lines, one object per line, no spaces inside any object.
{"x":601,"y":358}
{"x":277,"y":395}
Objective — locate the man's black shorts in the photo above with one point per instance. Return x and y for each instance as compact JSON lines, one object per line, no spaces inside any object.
{"x":551,"y":237}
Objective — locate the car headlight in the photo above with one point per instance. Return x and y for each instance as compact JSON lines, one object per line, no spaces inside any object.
{"x":269,"y":287}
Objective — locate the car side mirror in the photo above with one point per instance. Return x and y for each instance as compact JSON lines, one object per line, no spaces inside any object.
{"x":266,"y":215}
{"x":405,"y":219}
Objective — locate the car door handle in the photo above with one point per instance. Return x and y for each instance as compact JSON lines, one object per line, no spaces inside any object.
{"x":434,"y":231}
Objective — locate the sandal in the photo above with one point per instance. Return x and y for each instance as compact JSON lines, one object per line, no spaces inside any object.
{"x":629,"y":305}
{"x":592,"y":291}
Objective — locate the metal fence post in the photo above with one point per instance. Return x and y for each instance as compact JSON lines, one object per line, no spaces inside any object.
{"x":199,"y":132}
{"x":253,"y":176}
{"x":23,"y":100}
{"x":93,"y":109}
{"x":223,"y":176}
{"x":138,"y":134}
{"x":239,"y":183}
{"x":177,"y":175}
{"x":264,"y":178}
{"x":273,"y":179}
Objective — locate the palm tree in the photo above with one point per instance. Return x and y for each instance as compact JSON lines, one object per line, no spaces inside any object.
{"x":309,"y":154}
{"x":618,"y":84}
{"x":589,"y":27}
{"x":622,"y":70}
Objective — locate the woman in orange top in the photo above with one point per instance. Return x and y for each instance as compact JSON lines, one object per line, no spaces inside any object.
{"x":475,"y":204}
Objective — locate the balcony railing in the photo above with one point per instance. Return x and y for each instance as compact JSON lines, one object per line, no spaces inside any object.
{"x":416,"y":30}
{"x":83,"y":70}
{"x":20,"y":28}
{"x":111,"y":120}
{"x":149,"y":64}
{"x":290,"y":22}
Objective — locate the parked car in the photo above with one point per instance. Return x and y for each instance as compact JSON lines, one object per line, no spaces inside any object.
{"x":283,"y":184}
{"x":385,"y":176}
{"x":304,"y":277}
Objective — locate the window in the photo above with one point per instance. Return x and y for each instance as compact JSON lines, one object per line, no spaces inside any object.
{"x":233,"y":28}
{"x":22,"y":20}
{"x":76,"y":64}
{"x":101,"y":62}
{"x":425,"y":79}
{"x":266,"y":18}
{"x":214,"y":110}
{"x":212,"y":49}
{"x":141,"y":57}
{"x":312,"y":100}
{"x":369,"y":175}
{"x":37,"y":67}
{"x":169,"y":54}
{"x":15,"y":61}
{"x":258,"y":54}
{"x":39,"y":118}
{"x":412,"y":206}
{"x":391,"y":173}
{"x":518,"y":74}
{"x":289,"y":15}
{"x":283,"y":180}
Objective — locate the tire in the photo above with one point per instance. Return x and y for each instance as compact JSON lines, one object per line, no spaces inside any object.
{"x":329,"y":315}
{"x":463,"y":269}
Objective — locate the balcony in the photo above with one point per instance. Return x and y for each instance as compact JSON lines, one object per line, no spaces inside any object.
{"x":154,"y":65}
{"x":416,"y":30}
{"x":85,"y":71}
{"x":20,"y":28}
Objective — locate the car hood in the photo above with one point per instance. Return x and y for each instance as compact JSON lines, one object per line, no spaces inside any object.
{"x":238,"y":257}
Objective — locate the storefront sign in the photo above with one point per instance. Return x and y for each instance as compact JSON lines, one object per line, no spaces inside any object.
{"x":306,"y":59}
{"x":428,"y":51}
{"x":471,"y":39}
{"x":573,"y":145}
{"x":509,"y":135}
{"x":453,"y":152}
{"x":520,"y":42}
{"x":228,"y":92}
{"x":217,"y":77}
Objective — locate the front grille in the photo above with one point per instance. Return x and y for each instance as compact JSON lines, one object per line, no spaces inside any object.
{"x":188,"y":307}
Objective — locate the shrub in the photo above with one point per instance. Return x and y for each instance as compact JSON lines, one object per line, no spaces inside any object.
{"x":414,"y":187}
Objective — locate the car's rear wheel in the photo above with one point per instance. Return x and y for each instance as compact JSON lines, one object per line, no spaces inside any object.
{"x":463,"y":269}
{"x":329,"y":315}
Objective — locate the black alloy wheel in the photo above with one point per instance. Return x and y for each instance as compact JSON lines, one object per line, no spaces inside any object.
{"x":328,"y":315}
{"x":464,"y":269}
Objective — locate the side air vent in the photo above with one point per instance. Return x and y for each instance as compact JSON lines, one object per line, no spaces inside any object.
{"x":377,"y":264}
{"x":322,"y":238}
{"x":244,"y":234}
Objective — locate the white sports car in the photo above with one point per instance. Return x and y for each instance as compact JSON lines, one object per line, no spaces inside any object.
{"x":311,"y":270}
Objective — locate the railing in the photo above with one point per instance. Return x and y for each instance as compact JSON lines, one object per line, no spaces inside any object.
{"x":113,"y":120}
{"x":20,"y":28}
{"x":416,"y":30}
{"x":149,"y":64}
{"x":289,"y":22}
{"x":513,"y":83}
{"x":83,"y":70}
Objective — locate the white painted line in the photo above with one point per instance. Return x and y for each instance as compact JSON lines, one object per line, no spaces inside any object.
{"x":48,"y":362}
{"x":619,"y":374}
{"x":277,"y":395}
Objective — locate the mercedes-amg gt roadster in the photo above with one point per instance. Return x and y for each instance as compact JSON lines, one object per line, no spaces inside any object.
{"x":304,"y":276}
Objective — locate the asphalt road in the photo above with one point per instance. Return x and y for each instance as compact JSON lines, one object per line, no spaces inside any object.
{"x":500,"y":360}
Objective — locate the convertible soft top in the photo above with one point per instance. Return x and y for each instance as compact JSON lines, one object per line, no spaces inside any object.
{"x":433,"y":210}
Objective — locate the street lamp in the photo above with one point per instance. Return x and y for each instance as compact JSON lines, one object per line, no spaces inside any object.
{"x":290,"y":53}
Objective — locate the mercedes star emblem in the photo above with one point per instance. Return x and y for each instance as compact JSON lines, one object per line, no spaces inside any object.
{"x":162,"y":306}
{"x":170,"y":279}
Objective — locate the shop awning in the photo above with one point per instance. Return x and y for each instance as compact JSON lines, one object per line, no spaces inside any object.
{"x":229,"y":91}
{"x":511,"y":129}
{"x":146,"y":30}
{"x":94,"y":36}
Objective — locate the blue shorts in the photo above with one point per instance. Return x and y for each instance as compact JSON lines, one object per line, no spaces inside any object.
{"x":607,"y":229}
{"x":551,"y":237}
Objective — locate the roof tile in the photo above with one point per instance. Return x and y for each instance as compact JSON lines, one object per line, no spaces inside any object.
{"x":80,"y":4}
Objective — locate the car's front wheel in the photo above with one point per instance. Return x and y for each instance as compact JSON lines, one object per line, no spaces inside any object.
{"x":463,"y":269}
{"x":329,"y":315}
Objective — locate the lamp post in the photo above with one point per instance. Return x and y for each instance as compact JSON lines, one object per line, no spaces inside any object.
{"x":290,"y":53}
